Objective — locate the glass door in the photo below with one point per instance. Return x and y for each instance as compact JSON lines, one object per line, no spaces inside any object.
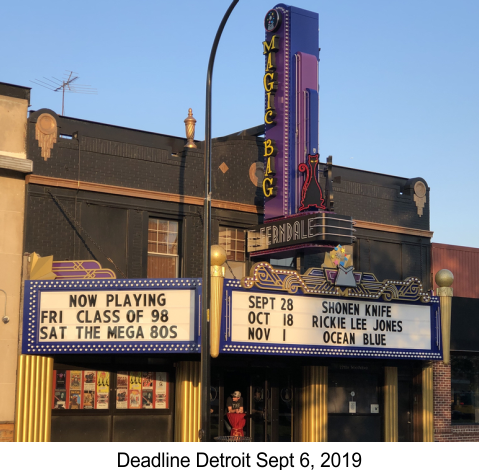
{"x":271,"y":407}
{"x":260,"y":408}
{"x":267,"y":399}
{"x":285,"y":409}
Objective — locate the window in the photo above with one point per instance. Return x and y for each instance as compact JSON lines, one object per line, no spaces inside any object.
{"x":162,"y":248}
{"x":90,"y":390}
{"x":464,"y":389}
{"x":287,"y":263}
{"x":232,"y":240}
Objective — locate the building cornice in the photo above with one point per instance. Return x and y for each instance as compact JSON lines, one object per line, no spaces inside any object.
{"x":22,"y":165}
{"x":392,"y":228}
{"x":139,"y":193}
{"x":198,"y":201}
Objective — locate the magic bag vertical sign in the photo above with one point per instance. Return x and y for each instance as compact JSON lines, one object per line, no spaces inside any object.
{"x":274,"y":117}
{"x":291,"y":51}
{"x":270,"y":82}
{"x":292,"y":193}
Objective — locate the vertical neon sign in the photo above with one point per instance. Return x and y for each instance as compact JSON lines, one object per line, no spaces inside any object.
{"x":291,"y":106}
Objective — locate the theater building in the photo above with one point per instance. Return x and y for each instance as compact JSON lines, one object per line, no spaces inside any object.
{"x":324,"y":322}
{"x":107,"y":193}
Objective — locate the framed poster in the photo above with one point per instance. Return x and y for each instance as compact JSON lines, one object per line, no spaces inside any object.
{"x":80,"y":390}
{"x":137,"y":390}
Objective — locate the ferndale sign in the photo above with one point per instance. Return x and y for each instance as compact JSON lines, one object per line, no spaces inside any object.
{"x":300,"y":230}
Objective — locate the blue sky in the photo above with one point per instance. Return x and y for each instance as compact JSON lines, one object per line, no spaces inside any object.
{"x":398,"y":79}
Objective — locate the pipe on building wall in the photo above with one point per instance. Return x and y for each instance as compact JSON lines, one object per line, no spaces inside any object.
{"x":314,"y":404}
{"x":427,"y":403}
{"x":33,"y":408}
{"x":391,"y":404}
{"x":187,"y":401}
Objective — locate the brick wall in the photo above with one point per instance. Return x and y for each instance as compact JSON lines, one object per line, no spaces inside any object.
{"x":375,"y":197}
{"x":47,"y":229}
{"x":105,"y":154}
{"x":131,"y":158}
{"x":135,"y":159}
{"x":444,"y":431}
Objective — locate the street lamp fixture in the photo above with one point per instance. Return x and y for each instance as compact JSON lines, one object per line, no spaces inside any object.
{"x":205,"y":428}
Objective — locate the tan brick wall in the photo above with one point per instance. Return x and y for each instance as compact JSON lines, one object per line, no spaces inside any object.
{"x":13,"y":122}
{"x":13,"y":119}
{"x":12,"y":197}
{"x":444,"y":431}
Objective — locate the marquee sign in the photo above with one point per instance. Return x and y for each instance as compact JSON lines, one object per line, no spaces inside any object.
{"x":114,"y":316}
{"x":273,"y":311}
{"x":256,"y":321}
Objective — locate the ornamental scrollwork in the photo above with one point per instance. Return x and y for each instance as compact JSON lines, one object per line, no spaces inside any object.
{"x":319,"y":281}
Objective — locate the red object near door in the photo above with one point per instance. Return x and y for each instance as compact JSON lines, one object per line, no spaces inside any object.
{"x":237,"y":421}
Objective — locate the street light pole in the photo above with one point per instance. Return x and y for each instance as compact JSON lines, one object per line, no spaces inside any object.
{"x":205,"y":433}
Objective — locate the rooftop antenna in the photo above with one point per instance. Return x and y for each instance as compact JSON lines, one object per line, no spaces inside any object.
{"x":68,"y":84}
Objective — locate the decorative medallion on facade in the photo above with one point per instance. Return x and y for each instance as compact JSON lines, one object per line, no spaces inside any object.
{"x":256,"y":173}
{"x":420,"y":196}
{"x":46,"y":133}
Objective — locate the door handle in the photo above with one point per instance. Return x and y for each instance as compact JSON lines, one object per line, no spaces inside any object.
{"x":408,"y":417}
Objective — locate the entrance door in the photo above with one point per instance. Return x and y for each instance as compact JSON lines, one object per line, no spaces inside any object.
{"x":267,"y":400}
{"x":354,"y":409}
{"x":260,"y":408}
{"x":271,"y":406}
{"x":405,"y":405}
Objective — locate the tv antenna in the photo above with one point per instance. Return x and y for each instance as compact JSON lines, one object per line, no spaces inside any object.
{"x":67,"y":85}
